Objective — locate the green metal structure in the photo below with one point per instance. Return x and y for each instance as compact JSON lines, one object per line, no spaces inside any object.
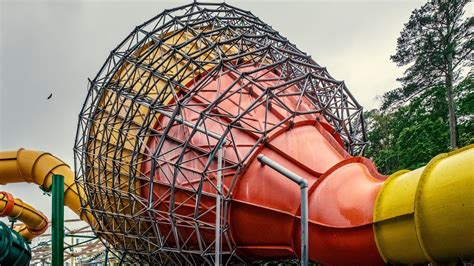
{"x":14,"y":250}
{"x":57,"y":233}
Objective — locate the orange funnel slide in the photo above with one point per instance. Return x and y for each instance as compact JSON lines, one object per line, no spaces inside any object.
{"x":341,"y":201}
{"x":263,"y":214}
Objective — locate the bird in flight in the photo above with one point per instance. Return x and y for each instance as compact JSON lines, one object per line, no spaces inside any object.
{"x":49,"y":97}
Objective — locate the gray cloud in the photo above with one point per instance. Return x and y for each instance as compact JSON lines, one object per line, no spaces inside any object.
{"x":54,"y":46}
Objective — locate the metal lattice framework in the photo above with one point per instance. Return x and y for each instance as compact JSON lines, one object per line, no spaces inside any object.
{"x":80,"y":246}
{"x":153,"y":84}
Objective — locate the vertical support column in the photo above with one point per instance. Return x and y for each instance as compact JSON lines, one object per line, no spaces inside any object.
{"x":217,"y":259}
{"x":72,"y":257}
{"x":304,"y":202}
{"x":106,"y":262}
{"x":304,"y":223}
{"x":57,"y":233}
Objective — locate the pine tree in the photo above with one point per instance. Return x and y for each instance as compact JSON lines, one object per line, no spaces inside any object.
{"x":437,"y":44}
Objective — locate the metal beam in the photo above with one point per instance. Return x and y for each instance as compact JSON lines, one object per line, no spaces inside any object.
{"x":218,"y":207}
{"x":57,"y":233}
{"x":304,"y":201}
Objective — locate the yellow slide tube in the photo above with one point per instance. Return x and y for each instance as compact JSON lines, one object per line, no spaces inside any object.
{"x":427,"y":215}
{"x":38,"y":167}
{"x":35,"y":222}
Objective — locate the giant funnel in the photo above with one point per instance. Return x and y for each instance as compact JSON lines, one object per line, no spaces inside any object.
{"x":207,"y":77}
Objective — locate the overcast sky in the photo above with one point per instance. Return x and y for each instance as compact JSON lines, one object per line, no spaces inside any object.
{"x":54,"y":46}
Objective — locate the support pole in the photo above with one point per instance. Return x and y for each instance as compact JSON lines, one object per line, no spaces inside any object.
{"x":106,"y":262}
{"x":304,"y":202}
{"x":217,"y":259}
{"x":57,"y":233}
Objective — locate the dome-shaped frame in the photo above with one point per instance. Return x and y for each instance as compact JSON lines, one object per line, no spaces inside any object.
{"x":148,"y":88}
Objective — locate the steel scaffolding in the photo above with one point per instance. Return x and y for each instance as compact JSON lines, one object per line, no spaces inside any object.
{"x":152,"y":84}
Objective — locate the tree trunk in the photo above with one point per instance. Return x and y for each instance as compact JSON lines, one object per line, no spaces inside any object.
{"x":449,"y":79}
{"x":452,"y":114}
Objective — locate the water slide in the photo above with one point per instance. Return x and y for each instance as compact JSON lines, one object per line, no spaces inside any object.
{"x":27,"y":166}
{"x":412,"y":217}
{"x":35,"y":222}
{"x":14,"y":248}
{"x":205,"y":78}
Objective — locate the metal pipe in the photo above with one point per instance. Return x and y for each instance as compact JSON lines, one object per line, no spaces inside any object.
{"x":57,"y":233}
{"x":304,"y":201}
{"x":304,"y":223}
{"x":218,"y":207}
{"x":106,"y":262}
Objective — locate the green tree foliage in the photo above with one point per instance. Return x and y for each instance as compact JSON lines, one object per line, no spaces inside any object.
{"x":464,"y":93}
{"x":436,"y":44}
{"x":408,"y":137}
{"x":433,"y":110}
